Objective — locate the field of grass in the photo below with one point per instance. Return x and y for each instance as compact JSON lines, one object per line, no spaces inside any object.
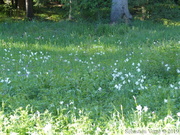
{"x":89,"y":78}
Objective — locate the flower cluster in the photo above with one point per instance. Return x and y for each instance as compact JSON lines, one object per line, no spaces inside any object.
{"x":132,"y":80}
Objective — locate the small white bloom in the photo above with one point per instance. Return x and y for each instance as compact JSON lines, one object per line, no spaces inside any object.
{"x":178,"y":71}
{"x":142,"y":80}
{"x":138,"y":70}
{"x":171,"y":85}
{"x":99,"y":89}
{"x":118,"y":86}
{"x":145,"y":108}
{"x":168,"y":68}
{"x":175,"y":88}
{"x":61,"y":102}
{"x":122,"y":78}
{"x":166,"y":65}
{"x":19,"y":72}
{"x":47,"y":128}
{"x":165,"y":100}
{"x":178,"y":114}
{"x":137,"y":83}
{"x":71,"y":103}
{"x":98,"y":129}
{"x":119,"y":73}
{"x":27,"y":72}
{"x":7,"y":80}
{"x":2,"y":81}
{"x":139,"y":107}
{"x":126,"y":60}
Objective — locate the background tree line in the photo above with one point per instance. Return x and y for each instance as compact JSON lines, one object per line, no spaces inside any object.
{"x":95,"y":9}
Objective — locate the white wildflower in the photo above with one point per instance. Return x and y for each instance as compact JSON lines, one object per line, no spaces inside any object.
{"x":178,"y":71}
{"x":145,"y":108}
{"x":126,"y":60}
{"x":138,"y":70}
{"x":99,"y":89}
{"x":168,"y":68}
{"x":19,"y":72}
{"x":165,"y":100}
{"x":171,"y":85}
{"x":118,"y":86}
{"x":48,"y":128}
{"x":139,"y":107}
{"x":7,"y":80}
{"x":137,"y":83}
{"x":61,"y":102}
{"x":122,"y":78}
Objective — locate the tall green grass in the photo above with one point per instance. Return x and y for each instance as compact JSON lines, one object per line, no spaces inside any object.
{"x":84,"y":78}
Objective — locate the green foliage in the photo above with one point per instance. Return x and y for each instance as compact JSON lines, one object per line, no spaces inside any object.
{"x":168,"y":11}
{"x":96,"y":10}
{"x":155,"y":10}
{"x":88,"y":78}
{"x":100,"y":9}
{"x":41,"y":3}
{"x":89,"y":10}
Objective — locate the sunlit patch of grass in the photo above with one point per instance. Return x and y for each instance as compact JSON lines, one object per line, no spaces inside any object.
{"x":169,"y":22}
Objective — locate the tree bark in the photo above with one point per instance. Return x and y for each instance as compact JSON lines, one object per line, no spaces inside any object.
{"x":21,"y":4}
{"x":70,"y":9}
{"x":120,"y":11}
{"x":14,"y":4}
{"x":1,"y":1}
{"x":29,"y":9}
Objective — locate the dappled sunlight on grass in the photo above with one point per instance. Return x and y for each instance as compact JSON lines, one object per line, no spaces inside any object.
{"x":168,"y":22}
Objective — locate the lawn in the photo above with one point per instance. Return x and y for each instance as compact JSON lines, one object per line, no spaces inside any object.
{"x":89,"y":78}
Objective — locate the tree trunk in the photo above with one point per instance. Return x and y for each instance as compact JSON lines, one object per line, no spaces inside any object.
{"x":14,"y":4}
{"x":120,"y":11}
{"x":72,"y":7}
{"x":21,"y":4}
{"x":29,"y":9}
{"x":1,"y":1}
{"x":70,"y":10}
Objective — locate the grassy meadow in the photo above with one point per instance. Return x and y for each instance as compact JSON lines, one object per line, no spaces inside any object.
{"x":89,"y":78}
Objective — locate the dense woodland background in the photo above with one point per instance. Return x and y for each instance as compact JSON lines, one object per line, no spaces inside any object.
{"x":92,"y":10}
